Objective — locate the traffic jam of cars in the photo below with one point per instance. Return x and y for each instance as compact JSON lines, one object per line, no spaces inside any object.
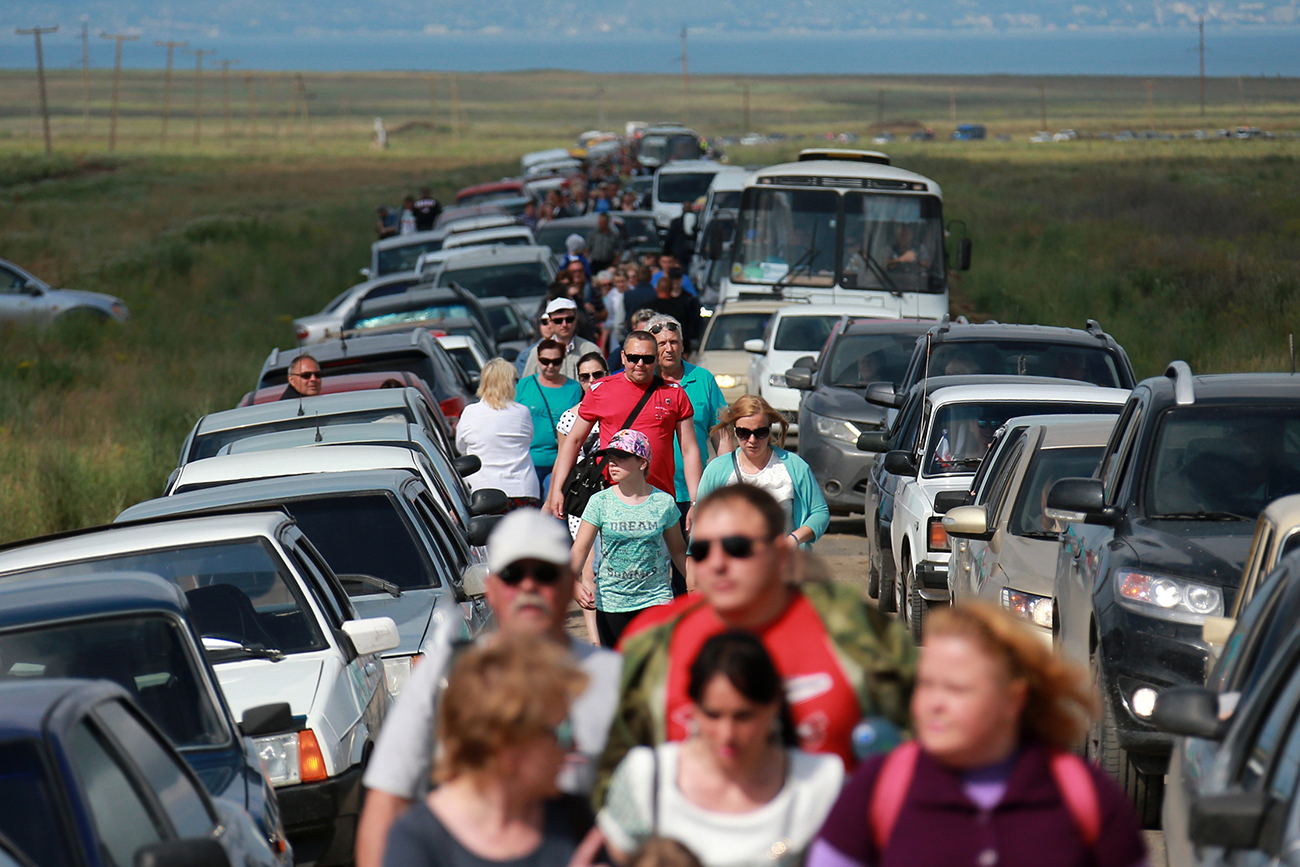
{"x":232,"y":647}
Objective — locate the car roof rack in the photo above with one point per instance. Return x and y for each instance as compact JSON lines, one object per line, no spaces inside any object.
{"x":1181,"y":374}
{"x":1094,"y":328}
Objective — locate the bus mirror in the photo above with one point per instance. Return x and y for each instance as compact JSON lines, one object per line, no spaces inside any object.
{"x":963,"y":255}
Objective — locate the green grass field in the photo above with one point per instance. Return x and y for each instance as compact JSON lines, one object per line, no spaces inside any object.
{"x":1181,"y":249}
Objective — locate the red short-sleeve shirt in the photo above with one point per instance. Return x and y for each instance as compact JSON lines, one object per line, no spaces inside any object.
{"x":614,"y":397}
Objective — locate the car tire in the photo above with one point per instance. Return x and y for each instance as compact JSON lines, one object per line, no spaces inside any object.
{"x":917,"y":608}
{"x":1145,"y":791}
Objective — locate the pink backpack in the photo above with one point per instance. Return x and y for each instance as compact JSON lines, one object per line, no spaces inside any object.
{"x":1072,"y":777}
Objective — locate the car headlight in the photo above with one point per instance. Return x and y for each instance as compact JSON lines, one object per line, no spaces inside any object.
{"x":1036,"y":609}
{"x":726,"y":380}
{"x":777,"y":379}
{"x":397,"y":671}
{"x":119,"y":310}
{"x":293,"y":757}
{"x":1166,"y":597}
{"x":836,"y":428}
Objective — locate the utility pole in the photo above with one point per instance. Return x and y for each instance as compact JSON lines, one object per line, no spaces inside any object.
{"x":686,"y":89}
{"x":746,"y":91}
{"x":1202,"y":50}
{"x":455,"y":112}
{"x":199,"y":54}
{"x":952,"y":104}
{"x":117,"y":80}
{"x":1241,"y":91}
{"x":225,"y":90}
{"x":1263,"y":100}
{"x":85,"y":76}
{"x":1042,"y":95}
{"x":300,"y":89}
{"x":1151,"y":106}
{"x":40,"y":77}
{"x":880,"y":109}
{"x":252,"y":110}
{"x":433,"y":110}
{"x":167,"y":83}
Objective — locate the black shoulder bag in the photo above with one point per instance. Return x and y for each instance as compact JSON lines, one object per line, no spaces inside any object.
{"x":588,"y":477}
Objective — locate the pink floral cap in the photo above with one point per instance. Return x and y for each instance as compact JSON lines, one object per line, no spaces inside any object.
{"x":631,"y":442}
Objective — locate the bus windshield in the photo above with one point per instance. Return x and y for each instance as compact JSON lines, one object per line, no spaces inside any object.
{"x":786,"y":236}
{"x":893,"y":243}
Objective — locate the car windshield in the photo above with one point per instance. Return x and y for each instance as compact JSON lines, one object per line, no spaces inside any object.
{"x":516,"y":280}
{"x":803,"y":333}
{"x":786,"y":236}
{"x":893,"y":243}
{"x":237,"y":591}
{"x":1223,"y":462}
{"x":145,"y":655}
{"x":418,"y":313}
{"x":729,"y":331}
{"x":30,"y":816}
{"x":640,"y":230}
{"x":208,"y":445}
{"x":553,"y":236}
{"x":1025,"y":358}
{"x":678,"y":187}
{"x":364,"y":534}
{"x":403,"y":258}
{"x":857,"y":360}
{"x":962,"y":432}
{"x":465,"y":358}
{"x":1047,"y":468}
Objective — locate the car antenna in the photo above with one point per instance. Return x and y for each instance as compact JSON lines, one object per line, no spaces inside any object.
{"x":925,"y":384}
{"x":1290,"y":342}
{"x":300,"y":412}
{"x":1017,"y":314}
{"x":319,"y":438}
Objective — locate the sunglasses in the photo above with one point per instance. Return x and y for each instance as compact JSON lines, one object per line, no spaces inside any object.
{"x":543,"y":573}
{"x":550,"y":362}
{"x":671,"y":326}
{"x":640,"y":359}
{"x":739,"y":547}
{"x":308,"y":374}
{"x":591,"y":377}
{"x":745,"y":433}
{"x":563,"y":320}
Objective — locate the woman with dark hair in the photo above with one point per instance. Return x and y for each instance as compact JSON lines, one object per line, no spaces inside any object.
{"x":737,"y":792}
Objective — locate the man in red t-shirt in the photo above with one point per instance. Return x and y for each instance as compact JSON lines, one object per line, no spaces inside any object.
{"x":612,"y":400}
{"x":841,"y":660}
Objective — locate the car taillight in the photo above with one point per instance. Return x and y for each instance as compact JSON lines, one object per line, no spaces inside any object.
{"x":311,"y":764}
{"x":452,"y":407}
{"x":938,"y":535}
{"x":301,"y":332}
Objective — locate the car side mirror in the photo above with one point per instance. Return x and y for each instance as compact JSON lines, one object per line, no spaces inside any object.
{"x":31,"y":288}
{"x":473,"y":581}
{"x":754,"y":345}
{"x":1232,"y":820}
{"x":364,"y":272}
{"x":481,"y":526}
{"x":967,"y":522}
{"x":900,"y":463}
{"x":1192,"y":711}
{"x":1079,"y":500}
{"x":873,"y":441}
{"x":193,"y":852}
{"x":467,"y":465}
{"x":882,"y":394}
{"x":799,"y":378}
{"x":946,"y":501}
{"x":266,"y":719}
{"x":963,"y":255}
{"x":372,"y":634}
{"x":808,"y":362}
{"x":487,"y":501}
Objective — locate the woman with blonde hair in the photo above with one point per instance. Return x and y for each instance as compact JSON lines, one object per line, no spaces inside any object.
{"x":990,"y":778}
{"x":503,"y":735}
{"x":752,"y":423}
{"x":498,"y":430}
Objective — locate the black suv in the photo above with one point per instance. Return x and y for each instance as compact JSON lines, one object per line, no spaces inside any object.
{"x":960,"y":347}
{"x":1157,"y":541}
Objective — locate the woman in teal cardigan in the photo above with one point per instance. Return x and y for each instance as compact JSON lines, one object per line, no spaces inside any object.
{"x":547,"y":394}
{"x":755,"y":461}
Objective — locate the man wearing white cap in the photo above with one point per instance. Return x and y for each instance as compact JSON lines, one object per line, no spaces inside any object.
{"x":563,"y":316}
{"x":529,"y":586}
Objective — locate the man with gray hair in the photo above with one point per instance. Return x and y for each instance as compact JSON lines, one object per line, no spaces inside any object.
{"x":529,"y":586}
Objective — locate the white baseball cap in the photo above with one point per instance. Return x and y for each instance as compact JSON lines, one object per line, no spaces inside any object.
{"x":528,"y":534}
{"x":558,"y":304}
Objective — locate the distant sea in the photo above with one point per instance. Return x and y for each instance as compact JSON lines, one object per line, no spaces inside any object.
{"x":1152,"y":52}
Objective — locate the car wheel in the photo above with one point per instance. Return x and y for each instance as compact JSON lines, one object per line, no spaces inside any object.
{"x":902,"y":590}
{"x":917,"y":608}
{"x":1145,"y":791}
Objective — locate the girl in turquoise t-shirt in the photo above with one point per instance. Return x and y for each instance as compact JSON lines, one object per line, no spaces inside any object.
{"x":639,"y":533}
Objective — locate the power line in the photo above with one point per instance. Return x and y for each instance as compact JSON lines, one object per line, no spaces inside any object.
{"x":117,"y":81}
{"x":167,"y":83}
{"x":225,"y":87}
{"x":199,"y":54}
{"x":40,"y":77}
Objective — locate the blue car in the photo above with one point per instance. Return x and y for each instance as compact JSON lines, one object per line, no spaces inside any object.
{"x":133,"y":629}
{"x":86,"y":779}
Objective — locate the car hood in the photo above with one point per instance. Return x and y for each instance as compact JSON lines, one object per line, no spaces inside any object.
{"x":727,"y":361}
{"x":1212,"y":551}
{"x":846,"y":403}
{"x":66,"y":297}
{"x":411,"y":612}
{"x":945,"y":483}
{"x":252,"y":682}
{"x":1029,"y":563}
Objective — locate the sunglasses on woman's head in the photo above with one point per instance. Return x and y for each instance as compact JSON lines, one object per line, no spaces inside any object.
{"x":543,"y":573}
{"x":745,"y":433}
{"x":739,"y":547}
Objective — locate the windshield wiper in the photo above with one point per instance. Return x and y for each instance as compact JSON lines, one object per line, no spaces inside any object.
{"x":222,"y":649}
{"x":883,"y":274}
{"x":371,"y":581}
{"x":804,"y":261}
{"x":1199,"y":516}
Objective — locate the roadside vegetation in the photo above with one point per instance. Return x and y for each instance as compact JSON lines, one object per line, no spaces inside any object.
{"x":1180,"y":249}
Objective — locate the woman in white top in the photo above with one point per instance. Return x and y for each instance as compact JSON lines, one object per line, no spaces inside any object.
{"x":498,"y":430}
{"x":737,"y":792}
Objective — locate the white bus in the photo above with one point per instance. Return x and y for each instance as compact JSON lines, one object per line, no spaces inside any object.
{"x":843,"y":227}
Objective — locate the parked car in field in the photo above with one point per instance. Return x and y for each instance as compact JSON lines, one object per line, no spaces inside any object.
{"x":722,"y":348}
{"x":1003,"y":544}
{"x":1157,"y":540}
{"x":401,"y":252}
{"x":956,"y":428}
{"x":135,"y":630}
{"x":522,"y":274}
{"x":328,"y":324}
{"x":369,"y":524}
{"x":25,"y":299}
{"x":88,"y":780}
{"x":795,"y":331}
{"x":277,"y":627}
{"x":417,"y":352}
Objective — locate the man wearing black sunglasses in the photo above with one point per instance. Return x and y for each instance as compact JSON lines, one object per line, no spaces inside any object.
{"x":304,"y":378}
{"x":529,"y":587}
{"x":562,"y":313}
{"x":842,"y":661}
{"x":641,"y":400}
